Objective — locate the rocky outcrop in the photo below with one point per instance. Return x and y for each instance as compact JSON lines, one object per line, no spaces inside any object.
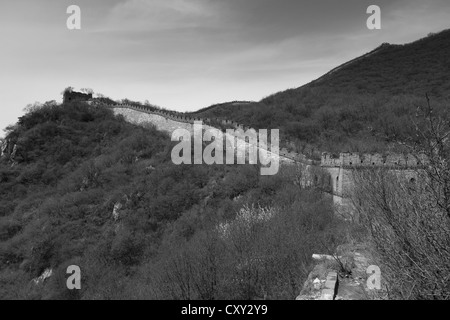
{"x":44,"y":276}
{"x":8,"y":149}
{"x":116,"y":210}
{"x":3,"y":147}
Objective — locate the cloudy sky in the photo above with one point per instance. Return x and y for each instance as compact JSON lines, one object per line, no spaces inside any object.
{"x":188,"y":54}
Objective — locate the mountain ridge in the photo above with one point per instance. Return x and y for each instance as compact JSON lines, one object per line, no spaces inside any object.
{"x":361,"y":105}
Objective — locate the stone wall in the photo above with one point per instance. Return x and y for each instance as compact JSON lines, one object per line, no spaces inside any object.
{"x":169,"y":122}
{"x":372,"y":160}
{"x":338,"y":168}
{"x":176,"y":116}
{"x":285,"y":155}
{"x":161,"y":122}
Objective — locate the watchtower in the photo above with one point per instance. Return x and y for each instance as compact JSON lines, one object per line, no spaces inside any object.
{"x":70,"y":96}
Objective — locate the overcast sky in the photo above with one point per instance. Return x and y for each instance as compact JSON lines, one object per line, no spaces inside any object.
{"x":188,"y":54}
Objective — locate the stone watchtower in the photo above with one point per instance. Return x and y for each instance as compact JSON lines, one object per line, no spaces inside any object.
{"x":70,"y":96}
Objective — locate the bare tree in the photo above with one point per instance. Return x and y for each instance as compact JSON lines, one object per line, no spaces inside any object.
{"x":68,"y":89}
{"x":407,"y":213}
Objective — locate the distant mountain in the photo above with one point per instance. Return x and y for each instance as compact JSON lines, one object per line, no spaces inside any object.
{"x":362,"y":105}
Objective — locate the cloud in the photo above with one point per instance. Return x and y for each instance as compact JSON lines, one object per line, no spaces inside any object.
{"x":157,"y":15}
{"x":411,"y":19}
{"x":186,"y":54}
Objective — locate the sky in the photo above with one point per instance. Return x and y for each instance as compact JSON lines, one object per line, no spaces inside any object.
{"x":188,"y":54}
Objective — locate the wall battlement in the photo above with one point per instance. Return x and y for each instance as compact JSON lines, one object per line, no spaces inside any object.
{"x":177,"y":116}
{"x":344,"y":160}
{"x":394,"y":160}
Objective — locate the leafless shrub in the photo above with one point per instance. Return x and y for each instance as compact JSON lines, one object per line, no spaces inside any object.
{"x":407,"y":213}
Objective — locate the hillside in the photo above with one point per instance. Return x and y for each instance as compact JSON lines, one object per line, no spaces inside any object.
{"x":83,"y":187}
{"x":363,"y":105}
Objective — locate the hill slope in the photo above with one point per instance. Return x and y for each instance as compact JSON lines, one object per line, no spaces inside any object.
{"x":362,"y":105}
{"x":86,"y":188}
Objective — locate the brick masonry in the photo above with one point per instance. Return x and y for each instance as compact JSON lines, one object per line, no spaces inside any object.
{"x":330,"y":287}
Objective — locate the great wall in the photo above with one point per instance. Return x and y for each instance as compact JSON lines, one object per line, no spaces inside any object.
{"x":338,"y":180}
{"x":339,"y":168}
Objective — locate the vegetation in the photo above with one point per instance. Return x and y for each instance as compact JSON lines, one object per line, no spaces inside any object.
{"x":363,"y":106}
{"x":86,"y":188}
{"x":408,"y":215}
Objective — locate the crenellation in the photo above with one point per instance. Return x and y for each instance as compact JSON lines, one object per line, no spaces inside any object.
{"x":330,"y":160}
{"x":349,"y":159}
{"x":371,"y":160}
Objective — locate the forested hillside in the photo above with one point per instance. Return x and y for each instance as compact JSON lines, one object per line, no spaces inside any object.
{"x":363,"y":105}
{"x":86,"y":188}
